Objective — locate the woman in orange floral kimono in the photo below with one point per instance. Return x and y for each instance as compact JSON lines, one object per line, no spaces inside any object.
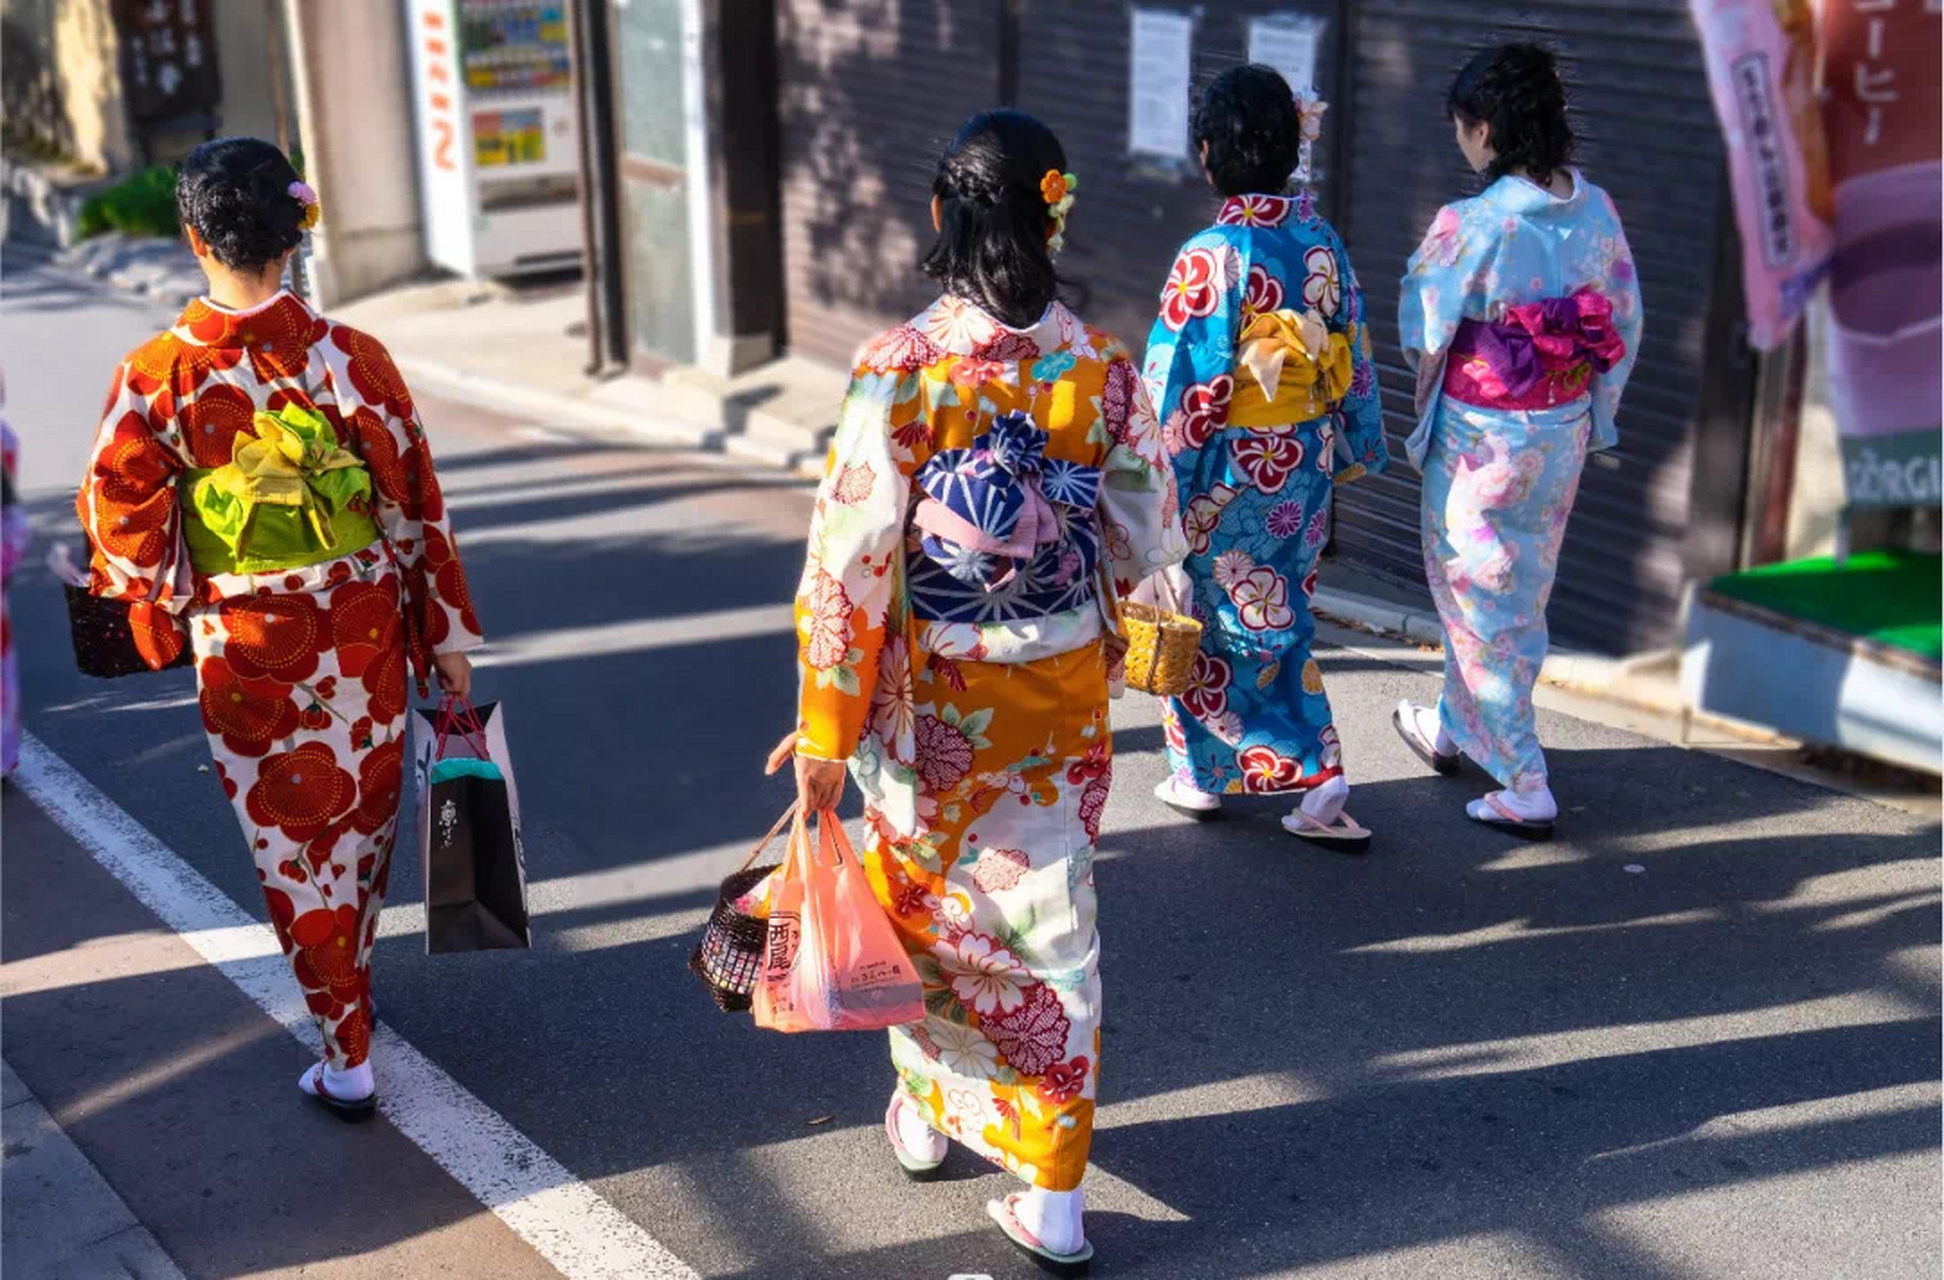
{"x":261,"y":490}
{"x":995,"y":475}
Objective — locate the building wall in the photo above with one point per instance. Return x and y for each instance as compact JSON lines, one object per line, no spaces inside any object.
{"x":353,"y":97}
{"x":243,"y":49}
{"x":871,"y":89}
{"x":62,"y":79}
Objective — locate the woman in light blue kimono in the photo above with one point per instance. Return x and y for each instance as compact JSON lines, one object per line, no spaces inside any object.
{"x":1522,"y":316}
{"x":1259,"y":366}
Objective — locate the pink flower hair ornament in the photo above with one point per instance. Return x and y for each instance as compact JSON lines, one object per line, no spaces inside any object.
{"x":303,"y":194}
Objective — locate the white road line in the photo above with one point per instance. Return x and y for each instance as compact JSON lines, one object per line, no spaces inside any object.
{"x":564,"y":1220}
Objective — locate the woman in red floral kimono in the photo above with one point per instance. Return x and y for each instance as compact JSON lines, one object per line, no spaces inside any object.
{"x":261,"y":490}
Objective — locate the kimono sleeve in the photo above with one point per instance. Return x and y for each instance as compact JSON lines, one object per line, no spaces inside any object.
{"x":1360,"y":418}
{"x":1449,"y":267}
{"x":130,"y":510}
{"x":412,"y":516}
{"x":1190,"y":363}
{"x":844,"y":602}
{"x":1138,"y":504}
{"x":1621,"y":286}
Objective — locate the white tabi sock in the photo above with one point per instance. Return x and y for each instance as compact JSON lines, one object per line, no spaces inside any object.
{"x":1324,"y":803}
{"x":1430,"y":719}
{"x":1054,"y":1218}
{"x":916,"y":1137}
{"x":1533,"y":804}
{"x":351,"y":1085}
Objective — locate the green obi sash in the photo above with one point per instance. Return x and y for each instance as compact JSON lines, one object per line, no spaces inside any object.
{"x":290,"y":497}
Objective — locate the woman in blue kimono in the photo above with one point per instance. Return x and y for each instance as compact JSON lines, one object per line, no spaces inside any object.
{"x":1259,"y":366}
{"x":1522,"y":316}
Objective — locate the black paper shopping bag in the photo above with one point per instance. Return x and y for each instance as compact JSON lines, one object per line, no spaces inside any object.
{"x":469,"y":831}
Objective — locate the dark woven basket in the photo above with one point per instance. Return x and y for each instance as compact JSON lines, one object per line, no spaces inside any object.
{"x":730,"y":955}
{"x":104,"y":640}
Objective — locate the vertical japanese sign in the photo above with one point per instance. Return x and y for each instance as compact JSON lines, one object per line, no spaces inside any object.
{"x":1761,"y":59}
{"x":434,"y":37}
{"x":168,"y":50}
{"x":1881,"y":112}
{"x":1158,"y":83}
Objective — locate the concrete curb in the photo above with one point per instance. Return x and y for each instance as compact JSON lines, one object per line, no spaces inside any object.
{"x":63,"y":1219}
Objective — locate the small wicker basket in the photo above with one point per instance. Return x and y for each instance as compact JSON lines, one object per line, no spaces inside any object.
{"x":1161,"y":648}
{"x":729,"y":958}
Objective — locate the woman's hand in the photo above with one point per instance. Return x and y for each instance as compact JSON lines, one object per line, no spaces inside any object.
{"x":455,"y":674}
{"x":820,"y":783}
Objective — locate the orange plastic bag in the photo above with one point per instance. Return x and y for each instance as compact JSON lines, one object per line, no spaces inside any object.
{"x":832,"y":961}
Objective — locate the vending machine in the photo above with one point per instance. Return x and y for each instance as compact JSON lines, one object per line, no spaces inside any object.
{"x":498,"y":150}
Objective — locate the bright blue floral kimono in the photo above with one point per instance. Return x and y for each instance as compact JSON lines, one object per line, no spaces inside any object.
{"x":1259,"y":366}
{"x":1523,"y":314}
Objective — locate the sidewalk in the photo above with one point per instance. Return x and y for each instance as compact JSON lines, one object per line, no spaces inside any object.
{"x":525,"y":349}
{"x":62,"y":1221}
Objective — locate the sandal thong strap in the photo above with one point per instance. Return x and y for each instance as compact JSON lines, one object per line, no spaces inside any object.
{"x":1344,"y":828}
{"x":1495,"y":801}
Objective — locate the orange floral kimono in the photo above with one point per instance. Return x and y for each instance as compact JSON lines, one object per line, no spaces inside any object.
{"x":301,"y":673}
{"x":985,"y":486}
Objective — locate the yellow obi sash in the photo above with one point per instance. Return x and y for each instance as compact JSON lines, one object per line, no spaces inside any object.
{"x":1296,"y":370}
{"x":290,"y":497}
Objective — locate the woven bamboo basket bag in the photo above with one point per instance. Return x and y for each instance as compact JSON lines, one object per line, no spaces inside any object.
{"x":1162,"y":642}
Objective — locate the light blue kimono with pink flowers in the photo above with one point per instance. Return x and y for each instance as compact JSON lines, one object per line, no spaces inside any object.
{"x":1256,"y":500}
{"x":1500,"y":478}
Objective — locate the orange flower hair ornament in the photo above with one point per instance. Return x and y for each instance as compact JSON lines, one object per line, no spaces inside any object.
{"x":1057,"y":189}
{"x":302,"y":193}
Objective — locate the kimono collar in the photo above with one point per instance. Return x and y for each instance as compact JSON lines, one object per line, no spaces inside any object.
{"x":282,"y":321}
{"x":1530,"y":200}
{"x":1262,"y":210}
{"x":963,"y":328}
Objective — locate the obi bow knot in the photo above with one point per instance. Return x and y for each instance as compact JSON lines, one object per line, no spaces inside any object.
{"x":293,"y":464}
{"x":1298,"y":370}
{"x":1566,"y":339}
{"x":988,"y":509}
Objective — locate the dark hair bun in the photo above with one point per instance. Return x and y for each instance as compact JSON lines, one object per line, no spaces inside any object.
{"x":236,"y":193}
{"x":1247,"y":116}
{"x":994,"y":223}
{"x":1516,"y":90}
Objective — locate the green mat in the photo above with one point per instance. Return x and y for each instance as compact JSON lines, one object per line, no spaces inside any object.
{"x":1892,"y":597}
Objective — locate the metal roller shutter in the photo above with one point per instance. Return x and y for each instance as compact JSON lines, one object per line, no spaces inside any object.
{"x":1640,"y":97}
{"x":1131,"y":216}
{"x":870,"y":93}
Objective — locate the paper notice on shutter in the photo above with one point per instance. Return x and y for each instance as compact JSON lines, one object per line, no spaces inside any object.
{"x":1288,"y":42}
{"x":1158,"y":83}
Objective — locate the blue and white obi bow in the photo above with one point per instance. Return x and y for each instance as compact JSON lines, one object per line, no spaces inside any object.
{"x":988,"y":511}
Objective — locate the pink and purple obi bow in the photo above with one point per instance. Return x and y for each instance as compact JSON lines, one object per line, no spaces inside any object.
{"x":1536,"y":355}
{"x":988,"y":511}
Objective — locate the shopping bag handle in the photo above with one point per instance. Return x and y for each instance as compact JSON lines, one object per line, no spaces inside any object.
{"x":832,"y":843}
{"x":774,"y":831}
{"x":456,"y":715}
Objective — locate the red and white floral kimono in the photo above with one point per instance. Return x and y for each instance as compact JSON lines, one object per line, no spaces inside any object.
{"x":301,"y":673}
